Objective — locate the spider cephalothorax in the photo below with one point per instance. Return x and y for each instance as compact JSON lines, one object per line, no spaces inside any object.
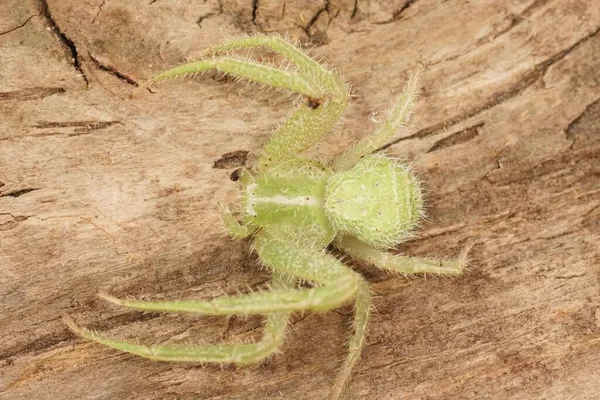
{"x":294,"y":207}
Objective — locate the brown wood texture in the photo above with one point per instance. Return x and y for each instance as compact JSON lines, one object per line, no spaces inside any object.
{"x":100,"y":191}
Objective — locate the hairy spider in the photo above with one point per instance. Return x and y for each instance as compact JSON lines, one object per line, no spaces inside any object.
{"x":294,"y":207}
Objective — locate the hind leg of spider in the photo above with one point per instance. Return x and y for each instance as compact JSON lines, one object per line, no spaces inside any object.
{"x":323,"y":268}
{"x":401,"y":264}
{"x":325,"y":90}
{"x":240,"y":354}
{"x":250,"y":70}
{"x":336,"y":284}
{"x":311,"y":121}
{"x":306,"y":65}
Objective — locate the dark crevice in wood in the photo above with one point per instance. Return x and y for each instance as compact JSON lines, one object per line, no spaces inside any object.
{"x":569,"y":160}
{"x":71,"y":124}
{"x":203,"y":17}
{"x":569,"y":131}
{"x":232,"y":159}
{"x":67,"y":43}
{"x":517,"y":19}
{"x":525,"y":82}
{"x":398,"y":13}
{"x":255,"y":5}
{"x":113,"y":71}
{"x":354,"y":9}
{"x":34,"y":93}
{"x":315,"y":17}
{"x":18,"y":193}
{"x":457,"y":138}
{"x":81,"y":127}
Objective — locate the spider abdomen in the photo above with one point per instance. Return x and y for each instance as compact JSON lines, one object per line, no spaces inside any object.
{"x":378,"y":201}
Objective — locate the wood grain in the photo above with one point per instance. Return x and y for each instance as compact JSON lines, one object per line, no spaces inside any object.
{"x":101,"y":191}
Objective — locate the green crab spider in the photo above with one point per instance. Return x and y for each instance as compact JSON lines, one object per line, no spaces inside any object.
{"x":294,"y":207}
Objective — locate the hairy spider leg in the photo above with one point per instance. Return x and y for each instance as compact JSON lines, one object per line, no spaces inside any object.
{"x":362,"y":310}
{"x":250,"y":70}
{"x":399,"y":114}
{"x":310,"y":122}
{"x":326,"y":91}
{"x":233,"y":227}
{"x":317,"y":266}
{"x":336,"y":284}
{"x":240,"y":354}
{"x":307,"y":125}
{"x":300,"y":59}
{"x":397,"y":263}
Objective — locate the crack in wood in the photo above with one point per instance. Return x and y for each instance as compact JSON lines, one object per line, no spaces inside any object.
{"x":398,"y":13}
{"x":570,"y":130}
{"x":19,"y":192}
{"x":255,"y":5}
{"x":515,"y":20}
{"x":67,"y":43}
{"x":572,"y":160}
{"x":85,"y":125}
{"x":203,"y":17}
{"x":33,"y":93}
{"x":99,"y":11}
{"x":11,"y":224}
{"x":354,"y":9}
{"x":18,"y":218}
{"x":457,"y":138}
{"x":529,"y":78}
{"x":113,"y":71}
{"x":18,"y":26}
{"x":232,"y":159}
{"x":315,"y":17}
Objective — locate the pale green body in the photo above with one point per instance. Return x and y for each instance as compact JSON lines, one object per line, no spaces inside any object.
{"x":288,"y":201}
{"x":293,"y":208}
{"x":378,"y":201}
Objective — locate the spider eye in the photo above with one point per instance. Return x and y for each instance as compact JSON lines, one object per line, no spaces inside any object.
{"x":314,"y":103}
{"x":235,"y":175}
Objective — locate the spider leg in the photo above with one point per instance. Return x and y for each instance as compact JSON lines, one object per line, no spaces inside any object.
{"x":275,"y":43}
{"x":399,"y":115}
{"x":336,"y":284}
{"x":362,"y":310}
{"x":328,"y":79}
{"x":397,"y":263}
{"x":305,"y":127}
{"x":326,"y":91}
{"x":233,"y":227}
{"x":321,"y":267}
{"x":250,"y":70}
{"x":240,"y":354}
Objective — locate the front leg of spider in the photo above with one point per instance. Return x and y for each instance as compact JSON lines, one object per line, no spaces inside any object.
{"x":294,"y":207}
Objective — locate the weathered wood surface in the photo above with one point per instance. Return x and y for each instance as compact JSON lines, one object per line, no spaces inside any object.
{"x":98,"y":191}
